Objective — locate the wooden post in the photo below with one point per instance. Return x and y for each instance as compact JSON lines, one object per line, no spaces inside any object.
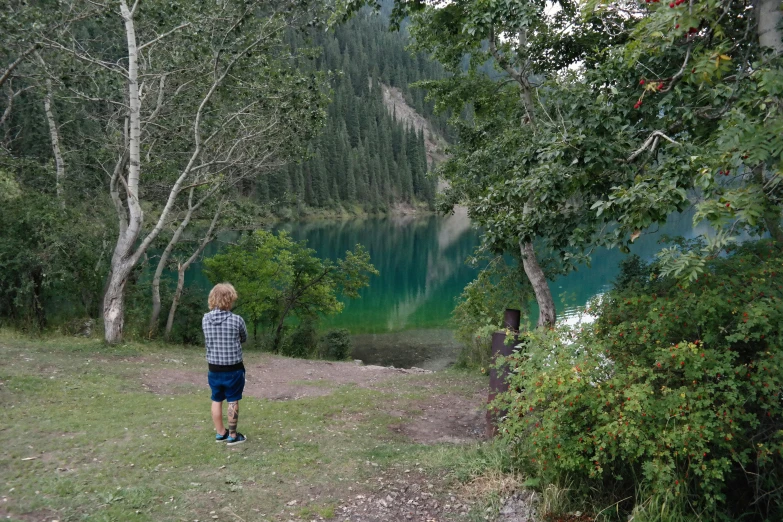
{"x":498,"y":380}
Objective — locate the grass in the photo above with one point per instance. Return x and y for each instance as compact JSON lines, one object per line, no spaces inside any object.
{"x":84,"y":440}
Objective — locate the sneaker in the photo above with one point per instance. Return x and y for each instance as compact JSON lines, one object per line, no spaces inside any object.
{"x":231,"y":441}
{"x":221,"y":438}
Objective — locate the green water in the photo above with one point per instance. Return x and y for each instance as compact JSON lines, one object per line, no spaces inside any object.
{"x":403,"y":318}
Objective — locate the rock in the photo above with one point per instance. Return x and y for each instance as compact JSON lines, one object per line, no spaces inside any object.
{"x":519,"y":507}
{"x":358,"y":362}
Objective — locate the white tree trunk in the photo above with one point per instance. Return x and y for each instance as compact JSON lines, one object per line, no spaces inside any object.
{"x":131,"y":245}
{"x":546,"y":305}
{"x":54,"y":133}
{"x":114,"y":305}
{"x":184,"y":267}
{"x":164,"y":258}
{"x":768,"y":15}
{"x":124,"y":258}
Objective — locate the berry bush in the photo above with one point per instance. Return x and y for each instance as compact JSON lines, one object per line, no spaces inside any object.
{"x":673,"y":393}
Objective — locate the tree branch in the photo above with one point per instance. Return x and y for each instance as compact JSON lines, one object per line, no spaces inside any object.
{"x":15,"y":63}
{"x":113,"y":67}
{"x":650,"y":143}
{"x":164,"y":35}
{"x":11,"y":96}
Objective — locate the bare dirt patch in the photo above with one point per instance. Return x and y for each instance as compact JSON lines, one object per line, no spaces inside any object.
{"x":402,"y":496}
{"x":446,"y":418}
{"x":281,"y":378}
{"x":39,"y":515}
{"x":439,"y":418}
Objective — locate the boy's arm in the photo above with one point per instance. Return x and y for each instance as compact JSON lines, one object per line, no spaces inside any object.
{"x":242,"y":330}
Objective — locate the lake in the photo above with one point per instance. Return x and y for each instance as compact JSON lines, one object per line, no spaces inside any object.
{"x":403,"y":318}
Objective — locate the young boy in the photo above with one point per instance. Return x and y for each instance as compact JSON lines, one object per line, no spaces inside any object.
{"x":224,"y":334}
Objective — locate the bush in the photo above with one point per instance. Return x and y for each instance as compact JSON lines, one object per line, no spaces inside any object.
{"x":303,"y":341}
{"x":52,"y":262}
{"x":187,"y":322}
{"x":480,"y":307}
{"x":633,"y":271}
{"x":336,"y":345}
{"x":672,"y":395}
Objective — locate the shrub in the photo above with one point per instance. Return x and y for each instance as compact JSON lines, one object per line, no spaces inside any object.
{"x":479,"y":310}
{"x":52,"y":261}
{"x":336,"y":345}
{"x":673,"y":393}
{"x":187,"y":323}
{"x":303,"y":341}
{"x":633,"y":271}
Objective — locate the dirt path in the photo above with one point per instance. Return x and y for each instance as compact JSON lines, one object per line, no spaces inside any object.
{"x":328,"y":440}
{"x":441,"y":417}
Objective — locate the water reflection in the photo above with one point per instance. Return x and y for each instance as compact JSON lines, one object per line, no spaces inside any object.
{"x":421,"y":262}
{"x":573,"y":291}
{"x":403,"y":318}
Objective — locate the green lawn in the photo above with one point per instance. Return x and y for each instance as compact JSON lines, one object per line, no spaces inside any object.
{"x":83,"y":439}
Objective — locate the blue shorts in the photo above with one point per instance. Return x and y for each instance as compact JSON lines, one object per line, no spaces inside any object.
{"x":227,"y":386}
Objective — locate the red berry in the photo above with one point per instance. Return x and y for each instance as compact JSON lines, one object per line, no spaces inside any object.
{"x":677,"y":26}
{"x":641,"y":82}
{"x":728,"y":205}
{"x":671,"y":5}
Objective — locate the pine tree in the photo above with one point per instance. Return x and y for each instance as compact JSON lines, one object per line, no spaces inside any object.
{"x":350,"y":195}
{"x":364,"y":154}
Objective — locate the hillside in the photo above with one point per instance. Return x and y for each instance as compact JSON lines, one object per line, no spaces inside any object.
{"x":434,"y":142}
{"x":380,"y":138}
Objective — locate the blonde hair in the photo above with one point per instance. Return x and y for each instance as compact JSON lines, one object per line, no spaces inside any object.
{"x":222,"y":296}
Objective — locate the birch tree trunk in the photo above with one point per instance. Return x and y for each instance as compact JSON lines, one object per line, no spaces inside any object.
{"x":237,"y":144}
{"x":54,"y":133}
{"x":768,"y":15}
{"x":182,"y":268}
{"x":124,"y":257}
{"x":164,"y":258}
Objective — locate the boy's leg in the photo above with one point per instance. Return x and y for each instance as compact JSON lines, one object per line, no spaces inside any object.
{"x":233,"y":417}
{"x":217,"y":416}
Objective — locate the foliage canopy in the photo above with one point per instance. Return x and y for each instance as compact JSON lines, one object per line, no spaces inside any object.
{"x":673,"y":392}
{"x":277,"y":277}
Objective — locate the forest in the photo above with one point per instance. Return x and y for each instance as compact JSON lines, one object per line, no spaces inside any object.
{"x":607,"y":119}
{"x":273,"y":118}
{"x":366,"y":156}
{"x":134,"y":134}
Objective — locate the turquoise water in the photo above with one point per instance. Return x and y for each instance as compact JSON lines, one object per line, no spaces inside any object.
{"x":403,"y":318}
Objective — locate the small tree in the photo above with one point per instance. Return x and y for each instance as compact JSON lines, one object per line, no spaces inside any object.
{"x":277,"y":277}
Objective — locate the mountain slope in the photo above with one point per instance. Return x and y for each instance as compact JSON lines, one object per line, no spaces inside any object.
{"x":434,"y":142}
{"x":380,"y":137}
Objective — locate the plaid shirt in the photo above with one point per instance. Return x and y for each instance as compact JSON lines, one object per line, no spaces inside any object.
{"x":224,"y":334}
